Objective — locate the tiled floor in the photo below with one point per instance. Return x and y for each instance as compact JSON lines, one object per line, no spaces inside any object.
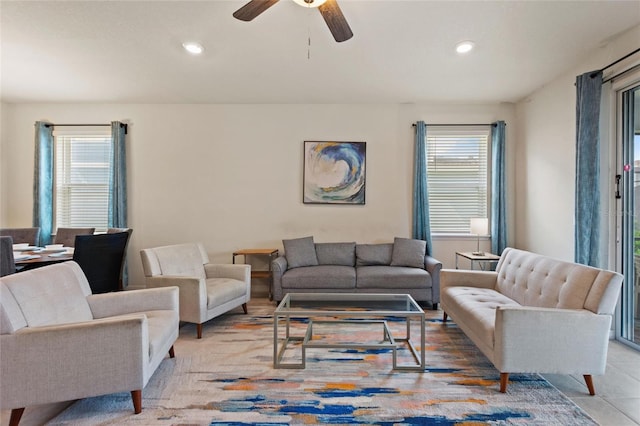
{"x":617,"y":399}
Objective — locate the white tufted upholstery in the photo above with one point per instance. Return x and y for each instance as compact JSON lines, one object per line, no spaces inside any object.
{"x":535,"y":313}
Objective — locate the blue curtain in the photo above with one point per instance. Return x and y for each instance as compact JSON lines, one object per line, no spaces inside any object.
{"x":118,"y":178}
{"x":498,"y":189}
{"x":421,"y":226}
{"x":43,"y":181}
{"x":587,"y":198}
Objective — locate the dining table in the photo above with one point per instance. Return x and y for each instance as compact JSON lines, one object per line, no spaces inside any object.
{"x":35,"y":257}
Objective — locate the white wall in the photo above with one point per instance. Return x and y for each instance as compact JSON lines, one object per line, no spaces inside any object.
{"x":545,"y":157}
{"x":231,"y":175}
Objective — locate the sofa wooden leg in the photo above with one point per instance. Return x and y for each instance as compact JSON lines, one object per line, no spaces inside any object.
{"x":16,"y":415}
{"x":444,"y":317}
{"x":136,"y":396}
{"x":244,"y":308}
{"x":504,"y":381}
{"x":199,"y":330}
{"x":589,"y":381}
{"x":172,"y":353}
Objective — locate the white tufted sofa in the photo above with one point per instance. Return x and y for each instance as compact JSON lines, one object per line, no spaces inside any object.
{"x":535,"y":314}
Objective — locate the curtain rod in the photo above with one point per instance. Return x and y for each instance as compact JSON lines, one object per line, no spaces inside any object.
{"x":457,"y":125}
{"x":593,"y":74}
{"x":125,"y":125}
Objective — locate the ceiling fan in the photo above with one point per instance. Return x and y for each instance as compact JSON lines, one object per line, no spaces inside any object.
{"x":329,"y":10}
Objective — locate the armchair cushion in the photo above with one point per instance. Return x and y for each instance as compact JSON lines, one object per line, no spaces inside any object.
{"x":300,"y":252}
{"x":186,"y":262}
{"x":44,"y":303}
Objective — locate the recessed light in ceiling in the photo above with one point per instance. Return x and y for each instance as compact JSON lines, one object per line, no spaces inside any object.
{"x":193,"y":48}
{"x":310,"y":3}
{"x":464,"y":46}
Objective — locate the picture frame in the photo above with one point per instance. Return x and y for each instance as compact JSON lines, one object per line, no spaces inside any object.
{"x":334,"y":172}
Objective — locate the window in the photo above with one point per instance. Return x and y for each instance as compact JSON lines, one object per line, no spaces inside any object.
{"x":457,"y":176}
{"x":81,"y":176}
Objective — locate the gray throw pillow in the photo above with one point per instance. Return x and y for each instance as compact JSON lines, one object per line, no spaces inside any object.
{"x":408,"y":252}
{"x":374,"y":254}
{"x":336,"y":253}
{"x":300,"y":252}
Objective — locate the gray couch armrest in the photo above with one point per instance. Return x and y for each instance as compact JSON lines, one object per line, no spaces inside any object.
{"x":433,"y":267}
{"x":278,"y":268}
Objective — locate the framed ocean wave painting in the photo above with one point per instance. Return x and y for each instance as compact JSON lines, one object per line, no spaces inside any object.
{"x":334,"y":172}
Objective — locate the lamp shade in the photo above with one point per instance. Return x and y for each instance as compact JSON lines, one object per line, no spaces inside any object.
{"x":479,"y":225}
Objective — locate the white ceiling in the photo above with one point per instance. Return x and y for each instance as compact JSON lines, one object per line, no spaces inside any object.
{"x":402,"y":51}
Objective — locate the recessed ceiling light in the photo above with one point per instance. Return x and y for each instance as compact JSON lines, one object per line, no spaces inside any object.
{"x":464,"y":46}
{"x":193,"y":48}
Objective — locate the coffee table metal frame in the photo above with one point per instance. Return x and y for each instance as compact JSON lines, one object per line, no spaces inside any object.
{"x":354,"y":309}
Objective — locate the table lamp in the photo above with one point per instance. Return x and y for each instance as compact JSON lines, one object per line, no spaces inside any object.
{"x":479,"y":226}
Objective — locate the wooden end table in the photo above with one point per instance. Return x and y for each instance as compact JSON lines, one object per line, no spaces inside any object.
{"x":482,"y":259}
{"x":269,"y":253}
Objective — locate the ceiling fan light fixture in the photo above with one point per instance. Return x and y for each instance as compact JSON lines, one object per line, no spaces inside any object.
{"x":465,"y":47}
{"x":310,"y":3}
{"x":193,"y":48}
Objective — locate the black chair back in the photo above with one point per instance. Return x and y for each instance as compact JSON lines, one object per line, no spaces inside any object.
{"x":7,"y":262}
{"x":101,"y":258}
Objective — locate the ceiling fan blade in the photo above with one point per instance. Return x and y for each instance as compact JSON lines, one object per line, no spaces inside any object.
{"x":335,"y":20}
{"x":253,"y":9}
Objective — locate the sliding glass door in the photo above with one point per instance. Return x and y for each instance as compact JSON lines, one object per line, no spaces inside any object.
{"x":628,"y":125}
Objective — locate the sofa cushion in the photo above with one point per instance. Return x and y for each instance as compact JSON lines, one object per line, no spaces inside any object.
{"x":300,"y":252}
{"x":408,"y":252}
{"x":477,"y":308}
{"x":320,"y":277}
{"x":390,"y":277}
{"x":336,"y":253}
{"x":373,"y":254}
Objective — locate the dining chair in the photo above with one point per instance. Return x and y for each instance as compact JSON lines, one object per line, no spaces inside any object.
{"x":22,"y":235}
{"x":7,"y":262}
{"x":67,"y":236}
{"x":101,"y":258}
{"x":123,"y":271}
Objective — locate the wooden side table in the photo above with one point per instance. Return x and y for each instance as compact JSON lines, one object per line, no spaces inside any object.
{"x":475,"y":258}
{"x":269,"y":253}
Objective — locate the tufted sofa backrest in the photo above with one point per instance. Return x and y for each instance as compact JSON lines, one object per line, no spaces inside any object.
{"x":535,"y":280}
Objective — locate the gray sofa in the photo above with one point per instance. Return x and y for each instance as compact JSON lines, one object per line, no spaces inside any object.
{"x":346,"y":267}
{"x":535,"y":314}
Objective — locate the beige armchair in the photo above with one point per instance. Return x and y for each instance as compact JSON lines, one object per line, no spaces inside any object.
{"x":58,"y":342}
{"x":206,"y":290}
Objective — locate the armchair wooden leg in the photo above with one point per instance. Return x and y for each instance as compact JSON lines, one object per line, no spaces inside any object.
{"x":244,"y":308}
{"x":444,"y":316}
{"x":136,"y":396}
{"x":199,"y":330}
{"x":504,"y":381}
{"x":16,"y":415}
{"x":589,"y":381}
{"x":172,"y":353}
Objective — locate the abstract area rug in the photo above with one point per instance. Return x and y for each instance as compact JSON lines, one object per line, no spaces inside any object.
{"x":227,"y":378}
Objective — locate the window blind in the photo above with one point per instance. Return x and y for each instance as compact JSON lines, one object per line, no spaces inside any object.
{"x":82,"y":167}
{"x":457,"y":177}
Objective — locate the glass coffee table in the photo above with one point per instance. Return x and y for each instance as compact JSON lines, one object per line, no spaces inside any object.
{"x":346,"y":308}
